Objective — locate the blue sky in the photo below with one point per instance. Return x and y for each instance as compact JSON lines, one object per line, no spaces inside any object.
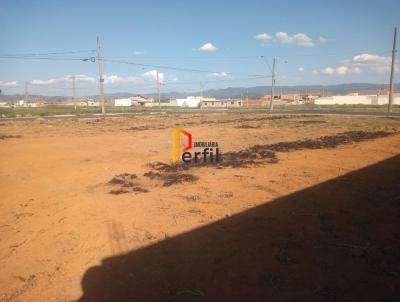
{"x":315,"y":42}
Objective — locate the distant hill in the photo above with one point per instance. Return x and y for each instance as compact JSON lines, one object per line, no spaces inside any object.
{"x":229,"y":92}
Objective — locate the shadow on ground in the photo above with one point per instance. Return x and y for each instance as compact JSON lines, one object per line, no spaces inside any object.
{"x":336,"y":241}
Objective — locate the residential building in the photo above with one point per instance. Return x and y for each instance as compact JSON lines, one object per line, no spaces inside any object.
{"x":355,"y":99}
{"x":190,"y":101}
{"x":123,"y":102}
{"x":227,"y":103}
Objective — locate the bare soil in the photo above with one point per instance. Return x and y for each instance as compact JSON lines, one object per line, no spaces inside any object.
{"x":300,"y":209}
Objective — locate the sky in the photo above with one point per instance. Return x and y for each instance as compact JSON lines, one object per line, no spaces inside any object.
{"x":192,"y":44}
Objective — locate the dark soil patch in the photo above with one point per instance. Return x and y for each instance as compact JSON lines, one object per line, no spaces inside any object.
{"x":93,"y":121}
{"x":177,"y":178}
{"x":312,"y":122}
{"x":170,"y":174}
{"x":126,"y":183}
{"x":3,"y":137}
{"x":262,"y":154}
{"x":247,"y":126}
{"x":122,"y":179}
{"x":152,"y":175}
{"x":247,"y":157}
{"x":330,"y":141}
{"x":139,"y":189}
{"x":167,"y":168}
{"x":118,"y":191}
{"x":142,"y":128}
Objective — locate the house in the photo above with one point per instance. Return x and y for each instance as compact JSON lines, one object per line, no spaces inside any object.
{"x":136,"y":100}
{"x":123,"y":102}
{"x":355,"y":99}
{"x":139,"y":100}
{"x":228,"y":103}
{"x":93,"y":103}
{"x":190,"y":101}
{"x":255,"y":103}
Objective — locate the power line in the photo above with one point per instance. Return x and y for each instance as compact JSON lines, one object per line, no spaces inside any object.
{"x":175,"y":68}
{"x":48,"y":58}
{"x":48,"y":53}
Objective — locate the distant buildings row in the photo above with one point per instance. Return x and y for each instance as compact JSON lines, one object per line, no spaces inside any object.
{"x":190,"y":102}
{"x":381,"y":98}
{"x":355,"y":99}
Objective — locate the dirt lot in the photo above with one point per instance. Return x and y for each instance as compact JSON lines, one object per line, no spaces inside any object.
{"x":301,"y":209}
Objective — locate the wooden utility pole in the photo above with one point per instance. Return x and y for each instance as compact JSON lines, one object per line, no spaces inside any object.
{"x":26,"y":92}
{"x":271,"y":106}
{"x":247,"y":97}
{"x":101,"y":79}
{"x":73,"y":91}
{"x":201,"y":91}
{"x":392,"y":71}
{"x":158,"y":90}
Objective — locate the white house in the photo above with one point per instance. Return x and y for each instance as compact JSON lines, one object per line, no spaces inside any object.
{"x":190,"y":101}
{"x":123,"y":102}
{"x":227,"y":103}
{"x":356,"y":99}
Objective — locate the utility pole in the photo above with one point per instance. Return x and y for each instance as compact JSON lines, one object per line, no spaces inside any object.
{"x":201,"y":91}
{"x":73,"y":91}
{"x":158,"y":90}
{"x":271,"y":106}
{"x":392,"y":71}
{"x":26,"y":92}
{"x":101,"y":79}
{"x":247,"y":97}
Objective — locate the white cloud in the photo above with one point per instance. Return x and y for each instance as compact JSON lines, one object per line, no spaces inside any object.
{"x":138,"y":53}
{"x":323,"y":40}
{"x":299,"y":39}
{"x":8,"y":84}
{"x":368,"y":58}
{"x":80,"y":78}
{"x":67,"y":78}
{"x":208,"y":47}
{"x":371,"y":62}
{"x":112,"y":79}
{"x":152,"y":75}
{"x":264,"y":37}
{"x":134,"y":80}
{"x":301,"y":69}
{"x":221,"y":74}
{"x":46,"y":82}
{"x":341,"y":70}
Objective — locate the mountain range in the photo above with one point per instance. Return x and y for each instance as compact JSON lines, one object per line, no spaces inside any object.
{"x":229,"y":92}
